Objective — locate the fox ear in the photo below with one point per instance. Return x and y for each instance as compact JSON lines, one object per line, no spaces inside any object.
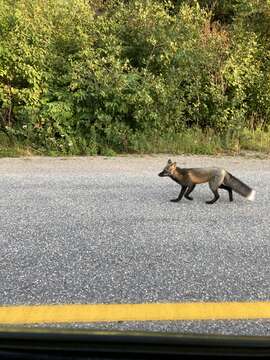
{"x":169,"y":161}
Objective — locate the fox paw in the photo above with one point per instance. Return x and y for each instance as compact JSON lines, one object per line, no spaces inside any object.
{"x":174,"y":200}
{"x":210,"y":202}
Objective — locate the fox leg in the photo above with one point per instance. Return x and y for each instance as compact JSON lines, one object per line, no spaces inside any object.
{"x":214,"y":184}
{"x":216,"y":197}
{"x":184,"y":188}
{"x":190,"y":189}
{"x":229,"y":189}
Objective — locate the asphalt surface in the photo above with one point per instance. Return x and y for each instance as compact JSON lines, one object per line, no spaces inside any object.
{"x":102,"y":230}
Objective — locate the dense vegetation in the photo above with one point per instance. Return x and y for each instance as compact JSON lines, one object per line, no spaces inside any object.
{"x":98,"y":77}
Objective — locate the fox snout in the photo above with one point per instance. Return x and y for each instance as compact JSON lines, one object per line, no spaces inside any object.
{"x":162,"y":173}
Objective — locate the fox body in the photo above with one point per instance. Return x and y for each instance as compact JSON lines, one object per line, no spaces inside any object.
{"x":217,"y":178}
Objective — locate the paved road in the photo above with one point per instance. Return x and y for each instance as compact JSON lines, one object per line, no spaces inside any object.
{"x":97,"y":230}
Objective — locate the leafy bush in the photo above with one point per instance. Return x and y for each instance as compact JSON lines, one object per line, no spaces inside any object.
{"x":73,"y":81}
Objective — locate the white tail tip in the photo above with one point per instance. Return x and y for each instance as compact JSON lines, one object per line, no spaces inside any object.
{"x":251,"y":196}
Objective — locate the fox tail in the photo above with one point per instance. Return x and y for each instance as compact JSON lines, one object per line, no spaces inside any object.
{"x":239,"y":187}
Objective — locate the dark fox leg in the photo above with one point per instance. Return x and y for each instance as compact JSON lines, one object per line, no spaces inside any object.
{"x":229,"y":189}
{"x":215,"y":198}
{"x":190,"y":189}
{"x":184,"y":188}
{"x":214,"y":184}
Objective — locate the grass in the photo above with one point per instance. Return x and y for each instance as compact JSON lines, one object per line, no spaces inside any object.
{"x":196,"y":141}
{"x":13,"y":148}
{"x":257,"y":140}
{"x":192,"y":141}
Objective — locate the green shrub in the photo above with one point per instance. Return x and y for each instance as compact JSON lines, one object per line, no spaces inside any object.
{"x":73,"y":82}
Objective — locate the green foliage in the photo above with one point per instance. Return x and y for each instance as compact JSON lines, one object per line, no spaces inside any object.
{"x":73,"y":81}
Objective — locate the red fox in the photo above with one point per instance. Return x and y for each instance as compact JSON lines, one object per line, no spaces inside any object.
{"x":217,"y":178}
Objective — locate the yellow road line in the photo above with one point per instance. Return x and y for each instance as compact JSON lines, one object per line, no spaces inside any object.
{"x":133,"y":312}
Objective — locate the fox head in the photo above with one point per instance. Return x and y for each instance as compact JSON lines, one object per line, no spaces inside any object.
{"x":169,"y":169}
